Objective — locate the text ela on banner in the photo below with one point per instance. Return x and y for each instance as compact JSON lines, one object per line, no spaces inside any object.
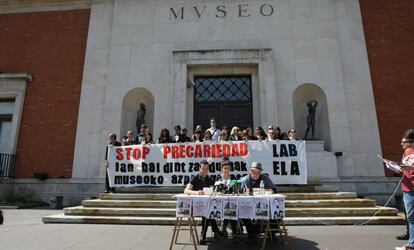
{"x":175,"y":164}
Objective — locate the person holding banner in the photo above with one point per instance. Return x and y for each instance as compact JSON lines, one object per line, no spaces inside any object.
{"x":111,"y":142}
{"x":195,"y":187}
{"x":407,"y":184}
{"x":251,"y":181}
{"x":260,"y":134}
{"x":164,"y":136}
{"x":234,"y":134}
{"x":207,"y":136}
{"x":177,"y":137}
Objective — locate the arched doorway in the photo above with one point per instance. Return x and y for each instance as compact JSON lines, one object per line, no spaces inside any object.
{"x":130,"y":106}
{"x":301,"y":96}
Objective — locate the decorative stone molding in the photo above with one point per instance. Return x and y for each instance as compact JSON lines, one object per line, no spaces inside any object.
{"x":256,"y":62}
{"x":13,"y":85}
{"x":19,"y":6}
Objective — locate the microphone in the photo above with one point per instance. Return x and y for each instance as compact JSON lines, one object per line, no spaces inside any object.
{"x":233,"y":186}
{"x":218,"y":185}
{"x":233,"y":183}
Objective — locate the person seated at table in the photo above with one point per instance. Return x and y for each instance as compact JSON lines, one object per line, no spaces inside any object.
{"x":253,"y":181}
{"x":195,"y":187}
{"x":225,"y":177}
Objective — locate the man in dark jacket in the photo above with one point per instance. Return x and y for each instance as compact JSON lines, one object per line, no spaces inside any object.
{"x":253,"y":181}
{"x":177,"y":137}
{"x":111,"y":142}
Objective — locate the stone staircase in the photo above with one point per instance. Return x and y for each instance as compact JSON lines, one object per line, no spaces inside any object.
{"x":305,"y":205}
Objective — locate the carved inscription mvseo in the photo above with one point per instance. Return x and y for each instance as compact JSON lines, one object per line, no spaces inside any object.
{"x":221,"y":11}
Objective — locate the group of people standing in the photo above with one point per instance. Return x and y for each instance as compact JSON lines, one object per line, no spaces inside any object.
{"x":213,"y":133}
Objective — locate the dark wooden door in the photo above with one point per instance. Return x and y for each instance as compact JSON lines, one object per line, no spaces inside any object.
{"x":226,"y":98}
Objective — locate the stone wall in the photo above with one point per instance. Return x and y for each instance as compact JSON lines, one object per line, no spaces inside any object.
{"x":135,"y":44}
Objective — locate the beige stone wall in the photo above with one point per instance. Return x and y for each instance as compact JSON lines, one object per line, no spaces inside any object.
{"x":132,"y":44}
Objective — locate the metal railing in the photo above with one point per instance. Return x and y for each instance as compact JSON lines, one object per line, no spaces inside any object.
{"x":6,"y":165}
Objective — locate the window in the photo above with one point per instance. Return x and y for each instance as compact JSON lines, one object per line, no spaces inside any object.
{"x":223,"y":89}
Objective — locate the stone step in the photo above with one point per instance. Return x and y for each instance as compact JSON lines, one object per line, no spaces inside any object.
{"x":150,"y":190}
{"x":169,"y":196}
{"x":331,"y":203}
{"x":321,"y":196}
{"x":109,"y":211}
{"x":172,"y":203}
{"x":130,"y":196}
{"x":130,"y":203}
{"x":378,"y":220}
{"x":290,"y":212}
{"x":313,"y":186}
{"x":341,"y":211}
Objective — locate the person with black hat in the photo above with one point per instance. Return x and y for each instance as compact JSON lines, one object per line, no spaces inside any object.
{"x":253,"y":181}
{"x":256,"y":176}
{"x":195,"y":187}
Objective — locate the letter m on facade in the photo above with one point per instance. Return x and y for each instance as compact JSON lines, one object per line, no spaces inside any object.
{"x":177,"y":14}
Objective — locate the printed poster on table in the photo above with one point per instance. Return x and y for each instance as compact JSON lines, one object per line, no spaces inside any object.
{"x":175,"y":164}
{"x":246,"y":207}
{"x":261,"y":208}
{"x":200,"y":205}
{"x":277,"y":207}
{"x":215,"y":208}
{"x":184,"y":205}
{"x":230,"y":208}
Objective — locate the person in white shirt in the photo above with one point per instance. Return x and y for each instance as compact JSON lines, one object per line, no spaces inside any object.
{"x":215,"y":132}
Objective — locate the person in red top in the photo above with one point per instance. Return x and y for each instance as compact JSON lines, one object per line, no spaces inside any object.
{"x":407,"y":184}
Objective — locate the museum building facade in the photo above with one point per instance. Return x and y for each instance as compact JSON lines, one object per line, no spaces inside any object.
{"x":71,"y":72}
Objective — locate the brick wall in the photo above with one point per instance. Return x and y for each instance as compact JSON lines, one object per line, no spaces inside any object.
{"x":389,"y":35}
{"x":51,"y":46}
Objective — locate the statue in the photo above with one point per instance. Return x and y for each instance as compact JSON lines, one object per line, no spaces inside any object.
{"x":140,"y":116}
{"x":311,"y":118}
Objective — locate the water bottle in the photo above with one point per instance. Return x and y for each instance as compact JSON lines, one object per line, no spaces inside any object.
{"x":261,"y":187}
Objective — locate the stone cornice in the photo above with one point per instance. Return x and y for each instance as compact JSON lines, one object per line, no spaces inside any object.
{"x":16,"y":76}
{"x":20,"y":6}
{"x":31,"y":3}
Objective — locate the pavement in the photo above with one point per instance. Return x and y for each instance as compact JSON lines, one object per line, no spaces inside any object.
{"x":24,"y":229}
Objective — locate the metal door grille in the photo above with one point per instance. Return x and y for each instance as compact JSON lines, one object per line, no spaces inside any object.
{"x":223,"y":89}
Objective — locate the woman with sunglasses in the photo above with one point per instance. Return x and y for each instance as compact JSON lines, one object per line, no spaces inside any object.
{"x":260,"y":134}
{"x":292,"y":134}
{"x":407,"y":184}
{"x":234,"y":134}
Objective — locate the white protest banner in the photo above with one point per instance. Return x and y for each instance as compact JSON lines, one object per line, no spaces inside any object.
{"x":230,"y":209}
{"x":184,"y":205}
{"x":215,"y":208}
{"x":175,"y":164}
{"x":261,"y":208}
{"x":246,"y":207}
{"x":200,"y":206}
{"x":277,"y":207}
